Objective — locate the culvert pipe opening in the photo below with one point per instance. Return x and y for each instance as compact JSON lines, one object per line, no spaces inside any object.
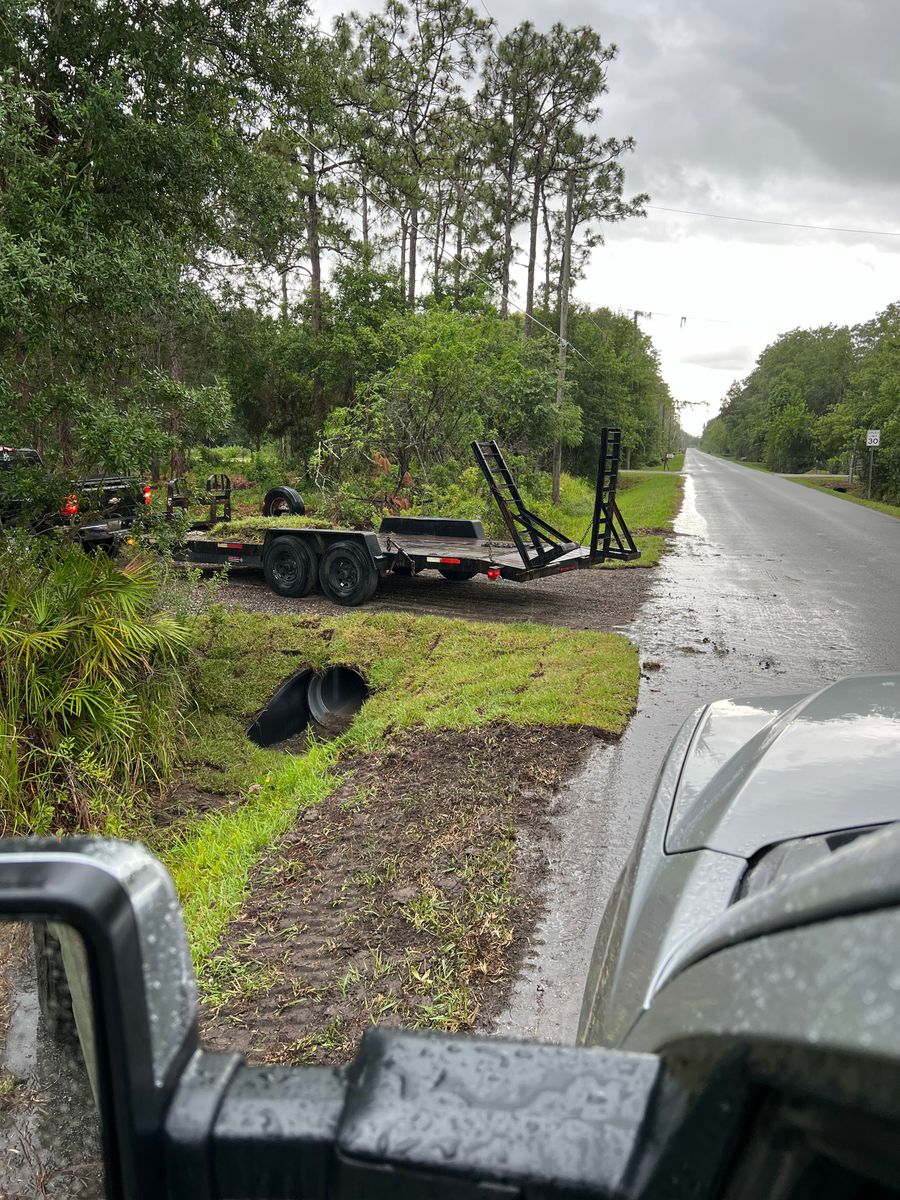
{"x":322,"y":704}
{"x":336,"y":696}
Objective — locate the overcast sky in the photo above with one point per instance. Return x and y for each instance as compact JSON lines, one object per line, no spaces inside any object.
{"x":787,"y":110}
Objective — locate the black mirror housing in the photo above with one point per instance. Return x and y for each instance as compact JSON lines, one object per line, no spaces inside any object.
{"x":122,"y":903}
{"x":416,"y":1114}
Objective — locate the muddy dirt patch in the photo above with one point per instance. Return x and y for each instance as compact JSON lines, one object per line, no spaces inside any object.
{"x":405,"y":898}
{"x":185,"y":803}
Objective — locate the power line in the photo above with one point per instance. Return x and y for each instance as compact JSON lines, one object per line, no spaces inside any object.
{"x":690,"y":212}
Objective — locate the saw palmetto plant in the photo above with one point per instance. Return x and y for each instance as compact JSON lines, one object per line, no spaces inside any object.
{"x":91,"y":696}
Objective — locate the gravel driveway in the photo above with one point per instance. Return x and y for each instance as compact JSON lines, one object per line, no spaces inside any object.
{"x":602,"y":600}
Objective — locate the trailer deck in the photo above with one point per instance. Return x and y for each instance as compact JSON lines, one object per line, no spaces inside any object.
{"x":464,"y":553}
{"x":348,"y":563}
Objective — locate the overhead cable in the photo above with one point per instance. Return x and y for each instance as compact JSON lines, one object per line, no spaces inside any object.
{"x":690,"y":212}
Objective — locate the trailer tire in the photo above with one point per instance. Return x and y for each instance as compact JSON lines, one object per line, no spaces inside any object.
{"x":283,"y":502}
{"x":456,"y":575}
{"x":289,"y":566}
{"x":347,"y":575}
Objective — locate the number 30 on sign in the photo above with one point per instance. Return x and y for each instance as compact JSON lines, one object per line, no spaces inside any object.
{"x":873,"y":438}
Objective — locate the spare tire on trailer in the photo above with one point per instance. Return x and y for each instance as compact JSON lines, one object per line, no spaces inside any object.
{"x":347,"y":574}
{"x":289,"y":566}
{"x":283,"y":502}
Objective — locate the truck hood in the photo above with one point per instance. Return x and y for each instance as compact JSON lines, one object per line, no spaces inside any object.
{"x":762,"y":771}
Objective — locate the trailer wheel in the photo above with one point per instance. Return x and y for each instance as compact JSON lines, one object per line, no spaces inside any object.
{"x":289,"y":567}
{"x":457,"y":575}
{"x":283,"y":502}
{"x":347,"y":575}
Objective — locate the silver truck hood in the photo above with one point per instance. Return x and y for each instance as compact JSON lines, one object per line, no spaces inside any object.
{"x":762,"y":771}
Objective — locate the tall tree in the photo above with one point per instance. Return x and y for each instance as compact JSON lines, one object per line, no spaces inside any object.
{"x":571,"y":66}
{"x":419,"y":56}
{"x":127,"y":146}
{"x":507,"y":100}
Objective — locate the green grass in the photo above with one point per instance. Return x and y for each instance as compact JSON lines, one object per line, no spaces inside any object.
{"x":259,"y":526}
{"x":426,"y":673}
{"x":744,"y":462}
{"x":891,"y":510}
{"x":824,"y":482}
{"x":648,"y":502}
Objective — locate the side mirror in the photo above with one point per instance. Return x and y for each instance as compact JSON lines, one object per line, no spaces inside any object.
{"x":115,"y":922}
{"x":415,"y":1114}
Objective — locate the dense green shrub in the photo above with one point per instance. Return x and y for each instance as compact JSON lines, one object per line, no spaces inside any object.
{"x":91,"y":696}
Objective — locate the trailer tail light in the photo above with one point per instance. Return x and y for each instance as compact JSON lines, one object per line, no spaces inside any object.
{"x":451,"y":562}
{"x":570,"y":567}
{"x":493,"y":572}
{"x":70,"y":507}
{"x":146,"y":493}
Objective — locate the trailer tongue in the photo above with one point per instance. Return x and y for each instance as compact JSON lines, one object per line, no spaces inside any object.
{"x":347,"y":564}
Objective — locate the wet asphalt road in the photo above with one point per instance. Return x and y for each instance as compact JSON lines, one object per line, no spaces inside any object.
{"x":771,"y":587}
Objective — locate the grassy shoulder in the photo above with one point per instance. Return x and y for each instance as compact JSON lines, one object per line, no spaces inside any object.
{"x":891,"y":510}
{"x":832,"y":485}
{"x":427,"y":674}
{"x":649,"y":504}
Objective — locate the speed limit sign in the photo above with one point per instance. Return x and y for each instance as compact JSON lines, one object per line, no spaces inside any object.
{"x":873,"y":438}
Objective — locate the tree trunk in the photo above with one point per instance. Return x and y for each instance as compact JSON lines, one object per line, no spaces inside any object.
{"x":457,"y":266}
{"x":284,"y":295}
{"x":403,"y":227}
{"x":315,"y":280}
{"x":507,"y":241}
{"x":564,"y":283}
{"x":365,"y":211}
{"x":532,"y":244}
{"x":439,"y":235}
{"x":413,"y":240}
{"x":414,"y":210}
{"x":178,"y":461}
{"x":548,"y":250}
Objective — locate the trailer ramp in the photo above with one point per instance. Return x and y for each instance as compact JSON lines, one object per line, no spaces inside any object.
{"x":537,"y":542}
{"x":610,"y":536}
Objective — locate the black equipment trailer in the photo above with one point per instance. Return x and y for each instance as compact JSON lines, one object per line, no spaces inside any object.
{"x":348,"y":563}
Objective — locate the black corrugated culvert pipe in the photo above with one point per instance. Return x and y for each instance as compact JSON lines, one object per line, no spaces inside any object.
{"x":324,"y":704}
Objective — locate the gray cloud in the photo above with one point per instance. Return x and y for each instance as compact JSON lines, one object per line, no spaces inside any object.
{"x":732,"y":358}
{"x":786,"y":109}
